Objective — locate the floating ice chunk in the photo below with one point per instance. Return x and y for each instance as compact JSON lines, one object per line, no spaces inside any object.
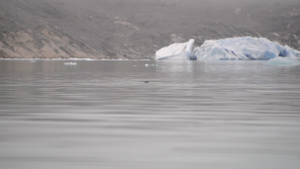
{"x":151,"y":65}
{"x":283,"y":61}
{"x":70,"y":63}
{"x":171,"y":52}
{"x":177,"y":51}
{"x":239,"y":48}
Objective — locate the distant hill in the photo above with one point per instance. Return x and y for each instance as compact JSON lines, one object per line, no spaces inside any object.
{"x":136,"y":28}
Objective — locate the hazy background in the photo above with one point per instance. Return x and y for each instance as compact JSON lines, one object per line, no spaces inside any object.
{"x":136,"y":28}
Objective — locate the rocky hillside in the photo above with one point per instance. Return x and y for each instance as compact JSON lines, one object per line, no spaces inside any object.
{"x":136,"y":28}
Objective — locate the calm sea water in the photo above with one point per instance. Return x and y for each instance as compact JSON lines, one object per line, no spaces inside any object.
{"x":148,"y":115}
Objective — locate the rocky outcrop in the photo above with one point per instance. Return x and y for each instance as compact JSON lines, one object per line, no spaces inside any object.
{"x":42,"y":43}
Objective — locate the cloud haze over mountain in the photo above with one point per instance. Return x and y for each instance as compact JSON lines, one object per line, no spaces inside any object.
{"x":137,"y":28}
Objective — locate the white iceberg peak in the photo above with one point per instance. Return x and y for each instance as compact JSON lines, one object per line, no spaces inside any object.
{"x":176,"y":51}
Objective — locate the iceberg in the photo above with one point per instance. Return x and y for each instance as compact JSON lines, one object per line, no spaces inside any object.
{"x":177,"y":51}
{"x":239,"y":48}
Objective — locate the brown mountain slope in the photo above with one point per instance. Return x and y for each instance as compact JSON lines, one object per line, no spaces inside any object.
{"x":136,"y":28}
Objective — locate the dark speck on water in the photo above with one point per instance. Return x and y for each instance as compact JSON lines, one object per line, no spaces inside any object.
{"x":98,"y":114}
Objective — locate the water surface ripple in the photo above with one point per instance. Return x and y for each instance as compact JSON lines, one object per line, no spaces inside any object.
{"x":165,"y":115}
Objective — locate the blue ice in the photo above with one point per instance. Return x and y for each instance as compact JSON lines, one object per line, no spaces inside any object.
{"x":238,"y":48}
